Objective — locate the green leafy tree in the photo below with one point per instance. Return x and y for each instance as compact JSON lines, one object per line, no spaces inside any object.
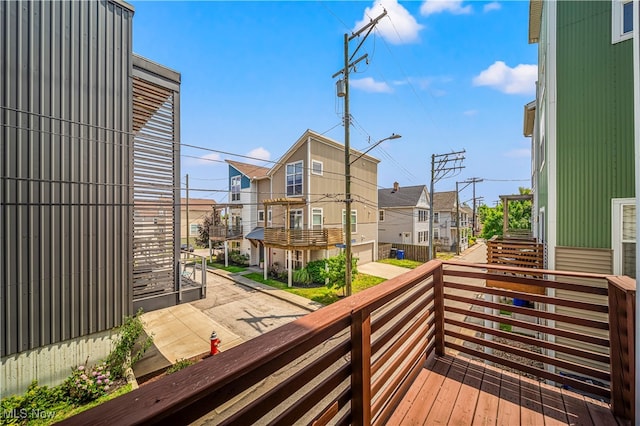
{"x":210,"y":219}
{"x":335,"y":272}
{"x":491,"y":219}
{"x":519,"y":216}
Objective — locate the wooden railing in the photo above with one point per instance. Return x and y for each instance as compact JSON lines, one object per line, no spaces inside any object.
{"x":222,"y":233}
{"x":303,"y":238}
{"x":352,"y":361}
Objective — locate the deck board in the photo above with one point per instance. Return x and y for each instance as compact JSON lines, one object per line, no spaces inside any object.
{"x":456,"y":391}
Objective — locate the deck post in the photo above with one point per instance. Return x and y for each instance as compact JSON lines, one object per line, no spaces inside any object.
{"x":438,"y":306}
{"x":622,"y":296}
{"x":361,"y":368}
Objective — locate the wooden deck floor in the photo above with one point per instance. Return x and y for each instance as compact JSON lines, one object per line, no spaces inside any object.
{"x":456,"y":391}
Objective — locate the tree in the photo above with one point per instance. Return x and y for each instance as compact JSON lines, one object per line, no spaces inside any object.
{"x":335,"y":272}
{"x":210,"y":219}
{"x":519,"y":216}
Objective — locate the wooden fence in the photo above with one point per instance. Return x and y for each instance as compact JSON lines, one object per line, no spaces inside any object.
{"x":411,"y":251}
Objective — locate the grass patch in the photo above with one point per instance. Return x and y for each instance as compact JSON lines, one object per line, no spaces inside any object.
{"x":445,"y":255}
{"x":231,"y":268}
{"x":320,"y":294}
{"x":505,"y":327}
{"x":403,"y":263}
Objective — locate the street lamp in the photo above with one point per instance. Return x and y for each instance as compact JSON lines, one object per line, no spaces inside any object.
{"x":347,"y":201}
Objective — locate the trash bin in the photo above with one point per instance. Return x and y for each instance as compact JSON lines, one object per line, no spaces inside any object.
{"x":520,"y":302}
{"x":400,"y":255}
{"x":392,"y":253}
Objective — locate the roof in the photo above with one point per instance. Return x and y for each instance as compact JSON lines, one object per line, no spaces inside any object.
{"x":407,"y":196}
{"x":249,"y":170}
{"x":318,"y":138}
{"x":444,"y":201}
{"x":256,"y":234}
{"x":201,"y":204}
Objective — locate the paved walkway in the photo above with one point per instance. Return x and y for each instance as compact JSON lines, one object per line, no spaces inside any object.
{"x":183,"y":331}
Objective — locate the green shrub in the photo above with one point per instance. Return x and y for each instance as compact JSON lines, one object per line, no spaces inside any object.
{"x":179,"y":365}
{"x":130,"y":346}
{"x":36,"y":401}
{"x":316,"y":268}
{"x":302,"y":276}
{"x":238,"y":258}
{"x":87,"y":384}
{"x":336,"y":271}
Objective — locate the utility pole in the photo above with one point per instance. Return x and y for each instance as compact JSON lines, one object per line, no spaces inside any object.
{"x":187,"y":210}
{"x":442,"y":165}
{"x":348,"y":64}
{"x":473,"y":218}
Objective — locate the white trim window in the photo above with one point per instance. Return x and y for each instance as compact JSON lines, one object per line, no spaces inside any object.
{"x":294,"y":179}
{"x":436,"y":217}
{"x":621,"y":20}
{"x":423,"y":215}
{"x":423,"y":236}
{"x":297,"y":259}
{"x":236,"y":182}
{"x":194,"y":229}
{"x":316,"y":218}
{"x":436,"y":234}
{"x":317,"y":167}
{"x":295,"y":219}
{"x":354,"y":220}
{"x":623,"y":236}
{"x":381,"y":215}
{"x":260,"y":215}
{"x":269,"y":216}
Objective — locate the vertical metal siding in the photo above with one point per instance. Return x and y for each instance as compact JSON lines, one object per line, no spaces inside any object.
{"x":594,"y":123}
{"x":65,"y":126}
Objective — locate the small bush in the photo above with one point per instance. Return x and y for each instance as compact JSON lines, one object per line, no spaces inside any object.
{"x":238,"y":258}
{"x":87,"y":384}
{"x":316,"y":269}
{"x":302,"y":276}
{"x":19,"y":409}
{"x":179,"y":365}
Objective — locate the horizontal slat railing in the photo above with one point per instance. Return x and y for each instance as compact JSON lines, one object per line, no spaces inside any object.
{"x":300,"y":372}
{"x":571,"y":348}
{"x":303,"y":238}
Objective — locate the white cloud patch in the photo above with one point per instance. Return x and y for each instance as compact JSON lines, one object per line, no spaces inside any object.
{"x":368,"y":84}
{"x":518,"y":153}
{"x":259,"y":154}
{"x":430,"y":7}
{"x":209,"y":159}
{"x":398,"y":27}
{"x":519,"y":80}
{"x":491,"y":6}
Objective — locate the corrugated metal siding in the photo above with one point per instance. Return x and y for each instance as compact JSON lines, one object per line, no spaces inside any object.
{"x":65,"y":170}
{"x":594,"y":123}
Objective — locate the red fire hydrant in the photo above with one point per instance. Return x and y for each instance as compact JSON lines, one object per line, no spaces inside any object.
{"x":215,"y":342}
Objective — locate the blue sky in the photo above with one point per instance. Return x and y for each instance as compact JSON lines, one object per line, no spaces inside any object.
{"x":446,"y":75}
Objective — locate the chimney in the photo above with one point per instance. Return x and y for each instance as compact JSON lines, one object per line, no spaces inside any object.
{"x":396,"y":186}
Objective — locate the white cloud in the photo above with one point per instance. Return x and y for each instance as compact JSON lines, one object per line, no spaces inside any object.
{"x":491,"y":6}
{"x":368,"y":84}
{"x":398,"y":27}
{"x":259,"y":154}
{"x":518,"y":153}
{"x":519,"y":80}
{"x":471,"y":112}
{"x":209,"y":159}
{"x":429,"y":7}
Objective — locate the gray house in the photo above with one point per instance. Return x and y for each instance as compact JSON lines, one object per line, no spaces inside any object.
{"x":88,"y":140}
{"x":403,"y":215}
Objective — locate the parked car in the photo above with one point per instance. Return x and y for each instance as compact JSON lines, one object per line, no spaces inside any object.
{"x":184,"y":247}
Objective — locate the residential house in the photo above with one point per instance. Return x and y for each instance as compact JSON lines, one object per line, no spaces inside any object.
{"x":403,"y":215}
{"x":307,"y":208}
{"x":249,"y":186}
{"x":88,"y":157}
{"x":192,"y":213}
{"x":445,"y":224}
{"x":582,"y":129}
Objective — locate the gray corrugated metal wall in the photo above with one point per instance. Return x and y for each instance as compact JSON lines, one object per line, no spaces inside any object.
{"x":65,"y":136}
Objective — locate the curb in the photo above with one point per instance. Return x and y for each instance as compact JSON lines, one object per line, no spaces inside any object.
{"x":238,"y":278}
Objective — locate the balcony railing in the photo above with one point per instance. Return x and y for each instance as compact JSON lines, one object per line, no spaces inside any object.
{"x":355,"y":361}
{"x":303,"y":238}
{"x":223,"y":233}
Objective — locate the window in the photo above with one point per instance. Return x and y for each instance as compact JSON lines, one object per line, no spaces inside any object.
{"x":423,"y":236}
{"x":381,"y":215}
{"x":297,"y":259}
{"x":193,"y":229}
{"x":294,"y":179}
{"x":235,"y":188}
{"x":260,"y":215}
{"x":436,"y":217}
{"x":316,"y":167}
{"x":295,"y":219}
{"x":269,"y":216}
{"x":423,"y":216}
{"x":623,"y":236}
{"x":621,"y":20}
{"x":354,"y":220}
{"x":316,"y":218}
{"x":436,"y":233}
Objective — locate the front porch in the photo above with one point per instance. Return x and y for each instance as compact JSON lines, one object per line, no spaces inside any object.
{"x":413,"y":350}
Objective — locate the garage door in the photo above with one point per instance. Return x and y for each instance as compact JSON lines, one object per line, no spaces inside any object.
{"x":364,"y":252}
